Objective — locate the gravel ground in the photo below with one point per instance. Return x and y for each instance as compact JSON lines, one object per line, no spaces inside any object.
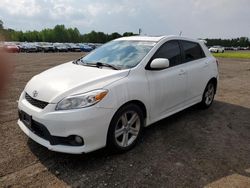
{"x":194,"y":148}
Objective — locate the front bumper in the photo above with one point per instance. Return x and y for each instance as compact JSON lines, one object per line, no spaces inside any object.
{"x":90,"y":123}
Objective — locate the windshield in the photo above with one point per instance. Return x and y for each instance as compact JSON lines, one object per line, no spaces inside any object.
{"x":122,"y":54}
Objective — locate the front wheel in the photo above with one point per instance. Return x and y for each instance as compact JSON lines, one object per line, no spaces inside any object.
{"x":125,"y":128}
{"x":208,"y":96}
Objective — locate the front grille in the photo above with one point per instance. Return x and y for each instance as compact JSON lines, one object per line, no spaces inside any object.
{"x":40,"y":130}
{"x":35,"y":102}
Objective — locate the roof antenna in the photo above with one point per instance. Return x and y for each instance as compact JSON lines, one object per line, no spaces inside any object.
{"x":140,"y":31}
{"x":180,"y":33}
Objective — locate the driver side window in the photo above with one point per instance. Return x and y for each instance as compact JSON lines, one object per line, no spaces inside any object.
{"x":171,"y":51}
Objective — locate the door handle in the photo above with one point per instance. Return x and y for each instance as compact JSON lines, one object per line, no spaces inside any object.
{"x":182,"y":72}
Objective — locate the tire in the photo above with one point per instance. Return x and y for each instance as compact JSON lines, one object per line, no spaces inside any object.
{"x":123,"y":135}
{"x":208,"y":96}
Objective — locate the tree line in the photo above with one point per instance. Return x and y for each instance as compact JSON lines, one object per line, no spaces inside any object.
{"x":62,"y":34}
{"x":236,"y":42}
{"x":59,"y":34}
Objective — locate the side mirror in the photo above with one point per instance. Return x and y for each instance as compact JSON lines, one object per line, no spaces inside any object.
{"x":159,"y":63}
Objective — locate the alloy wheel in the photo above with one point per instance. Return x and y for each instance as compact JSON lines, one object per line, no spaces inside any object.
{"x":127,"y":128}
{"x":209,"y":95}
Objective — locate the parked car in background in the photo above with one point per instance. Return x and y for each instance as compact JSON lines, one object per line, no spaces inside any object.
{"x":228,"y":48}
{"x":217,"y":49}
{"x":74,"y":47}
{"x":11,"y":48}
{"x":27,"y":47}
{"x":50,"y":47}
{"x":22,"y":47}
{"x":85,"y":48}
{"x":107,"y":97}
{"x":242,"y":48}
{"x":46,"y":47}
{"x":91,"y":45}
{"x":39,"y":47}
{"x":97,"y":45}
{"x":59,"y":47}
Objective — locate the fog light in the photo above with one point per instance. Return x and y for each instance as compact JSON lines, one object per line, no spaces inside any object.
{"x":75,"y":140}
{"x":78,"y":140}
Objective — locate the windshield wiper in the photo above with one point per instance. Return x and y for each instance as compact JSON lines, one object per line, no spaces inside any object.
{"x":97,"y":64}
{"x":76,"y":61}
{"x":100,"y":64}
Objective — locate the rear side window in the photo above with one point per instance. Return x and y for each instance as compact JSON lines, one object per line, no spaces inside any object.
{"x":171,"y":51}
{"x":192,"y":51}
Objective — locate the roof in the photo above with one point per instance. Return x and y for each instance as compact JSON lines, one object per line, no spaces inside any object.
{"x":142,"y":38}
{"x":158,"y":38}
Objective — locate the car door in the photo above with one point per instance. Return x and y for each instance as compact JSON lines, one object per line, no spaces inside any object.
{"x":197,"y":70}
{"x":167,"y":87}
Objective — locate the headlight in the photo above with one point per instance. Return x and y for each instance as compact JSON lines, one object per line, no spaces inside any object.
{"x":81,"y":100}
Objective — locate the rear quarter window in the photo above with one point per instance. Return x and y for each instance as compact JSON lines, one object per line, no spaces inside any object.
{"x":192,"y":51}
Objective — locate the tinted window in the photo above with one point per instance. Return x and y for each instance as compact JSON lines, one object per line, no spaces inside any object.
{"x":171,"y":51}
{"x":192,"y":51}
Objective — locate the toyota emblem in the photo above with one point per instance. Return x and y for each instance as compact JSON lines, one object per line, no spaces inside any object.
{"x":35,"y":93}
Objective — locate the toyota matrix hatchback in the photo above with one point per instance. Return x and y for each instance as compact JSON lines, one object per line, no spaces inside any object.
{"x":108,"y":96}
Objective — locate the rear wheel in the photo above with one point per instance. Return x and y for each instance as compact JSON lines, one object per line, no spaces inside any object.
{"x":208,"y":95}
{"x":125,"y":128}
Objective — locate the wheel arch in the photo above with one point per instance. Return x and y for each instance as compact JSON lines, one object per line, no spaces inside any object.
{"x":139,"y":104}
{"x":214,"y":81}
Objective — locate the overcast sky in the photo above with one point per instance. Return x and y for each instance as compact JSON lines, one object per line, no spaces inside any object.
{"x":195,"y":18}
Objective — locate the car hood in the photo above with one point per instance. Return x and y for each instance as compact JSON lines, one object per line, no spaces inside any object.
{"x":69,"y":79}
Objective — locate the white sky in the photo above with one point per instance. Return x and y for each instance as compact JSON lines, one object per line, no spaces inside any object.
{"x":196,"y":18}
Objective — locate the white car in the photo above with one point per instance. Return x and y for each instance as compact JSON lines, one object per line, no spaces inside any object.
{"x":108,"y":96}
{"x":217,"y":49}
